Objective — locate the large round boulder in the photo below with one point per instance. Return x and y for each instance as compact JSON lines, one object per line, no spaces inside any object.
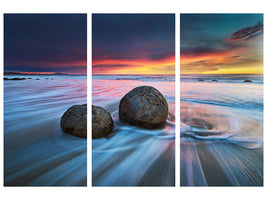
{"x":74,"y":121}
{"x":102,"y":123}
{"x":144,"y":107}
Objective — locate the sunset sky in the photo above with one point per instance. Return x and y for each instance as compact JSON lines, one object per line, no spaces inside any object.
{"x":133,"y":43}
{"x":221,"y":43}
{"x":45,"y":43}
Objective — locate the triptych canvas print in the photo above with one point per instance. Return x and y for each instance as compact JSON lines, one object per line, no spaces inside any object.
{"x":133,"y":132}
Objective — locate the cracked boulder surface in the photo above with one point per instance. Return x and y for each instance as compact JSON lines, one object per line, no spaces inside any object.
{"x":74,"y":121}
{"x":102,"y":123}
{"x":144,"y":107}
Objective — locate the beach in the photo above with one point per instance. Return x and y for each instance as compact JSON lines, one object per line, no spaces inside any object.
{"x":36,"y":151}
{"x":133,"y":156}
{"x":223,"y":144}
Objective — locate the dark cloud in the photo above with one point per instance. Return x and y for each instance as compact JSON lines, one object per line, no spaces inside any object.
{"x":210,"y":46}
{"x":72,"y":69}
{"x":37,"y":40}
{"x":203,"y":63}
{"x":247,"y":33}
{"x":199,"y":51}
{"x":235,"y":56}
{"x":133,"y":36}
{"x":203,"y":34}
{"x":205,"y":39}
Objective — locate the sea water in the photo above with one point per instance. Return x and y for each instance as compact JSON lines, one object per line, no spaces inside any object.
{"x":36,"y":151}
{"x":221,"y":130}
{"x":133,"y":156}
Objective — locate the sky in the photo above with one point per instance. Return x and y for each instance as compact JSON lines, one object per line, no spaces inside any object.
{"x":45,"y":43}
{"x":221,"y":44}
{"x":133,"y":43}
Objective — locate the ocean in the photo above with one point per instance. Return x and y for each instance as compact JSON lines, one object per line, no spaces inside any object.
{"x":36,"y":151}
{"x":221,"y":133}
{"x":221,"y":130}
{"x":133,"y":156}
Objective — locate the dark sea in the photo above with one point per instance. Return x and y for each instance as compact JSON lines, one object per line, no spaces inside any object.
{"x":221,"y":130}
{"x":36,"y":151}
{"x":133,"y":156}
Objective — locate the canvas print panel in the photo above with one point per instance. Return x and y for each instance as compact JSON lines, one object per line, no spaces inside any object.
{"x":133,"y":96}
{"x":221,"y":100}
{"x":45,"y":75}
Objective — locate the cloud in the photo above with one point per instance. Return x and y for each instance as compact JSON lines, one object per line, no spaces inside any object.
{"x":199,"y":51}
{"x":133,"y":37}
{"x":41,"y":42}
{"x":235,"y":57}
{"x":247,"y":33}
{"x":110,"y":66}
{"x":23,"y":68}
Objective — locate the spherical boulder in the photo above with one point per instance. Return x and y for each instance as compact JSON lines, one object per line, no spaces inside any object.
{"x":74,"y":121}
{"x":102,"y":123}
{"x":144,"y":107}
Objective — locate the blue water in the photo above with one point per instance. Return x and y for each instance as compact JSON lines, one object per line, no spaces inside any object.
{"x":230,"y":153}
{"x":133,"y":156}
{"x":36,"y":151}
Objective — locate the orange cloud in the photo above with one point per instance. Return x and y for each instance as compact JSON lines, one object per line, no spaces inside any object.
{"x":139,"y":66}
{"x":235,"y":61}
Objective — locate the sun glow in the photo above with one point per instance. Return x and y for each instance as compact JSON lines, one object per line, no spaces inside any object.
{"x":141,"y":66}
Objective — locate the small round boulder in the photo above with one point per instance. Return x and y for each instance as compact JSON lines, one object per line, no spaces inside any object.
{"x":74,"y":121}
{"x":102,"y":123}
{"x":144,"y":107}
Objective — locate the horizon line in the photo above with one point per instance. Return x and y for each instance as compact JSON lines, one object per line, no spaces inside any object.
{"x":45,"y":73}
{"x":229,"y":74}
{"x":134,"y":74}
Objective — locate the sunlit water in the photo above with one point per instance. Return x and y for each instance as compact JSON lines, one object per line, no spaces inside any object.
{"x":133,"y":156}
{"x":225,"y":147}
{"x":36,"y":151}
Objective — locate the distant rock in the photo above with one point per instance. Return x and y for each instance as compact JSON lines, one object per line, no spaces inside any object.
{"x":214,"y":80}
{"x":247,"y":81}
{"x":127,"y":78}
{"x":36,"y":73}
{"x":29,"y":78}
{"x":14,"y":79}
{"x":37,"y":79}
{"x":200,"y":79}
{"x":102,"y":123}
{"x":12,"y":73}
{"x":197,"y":123}
{"x":74,"y":121}
{"x":144,"y":107}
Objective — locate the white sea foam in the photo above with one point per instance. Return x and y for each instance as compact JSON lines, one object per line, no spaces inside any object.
{"x":230,"y":151}
{"x":36,"y":151}
{"x":133,"y":156}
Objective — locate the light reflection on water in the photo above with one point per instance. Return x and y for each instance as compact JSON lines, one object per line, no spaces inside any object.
{"x":230,"y":153}
{"x":36,"y":151}
{"x":133,"y":156}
